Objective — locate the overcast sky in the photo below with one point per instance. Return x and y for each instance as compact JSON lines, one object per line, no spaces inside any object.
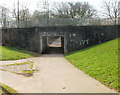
{"x":32,"y":4}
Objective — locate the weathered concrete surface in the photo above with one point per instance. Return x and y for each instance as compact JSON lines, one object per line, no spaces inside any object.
{"x":55,"y":75}
{"x":75,"y":37}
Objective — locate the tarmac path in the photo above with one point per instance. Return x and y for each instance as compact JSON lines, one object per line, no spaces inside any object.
{"x":55,"y":75}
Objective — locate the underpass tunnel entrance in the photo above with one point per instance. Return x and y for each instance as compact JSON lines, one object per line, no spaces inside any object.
{"x":52,"y":45}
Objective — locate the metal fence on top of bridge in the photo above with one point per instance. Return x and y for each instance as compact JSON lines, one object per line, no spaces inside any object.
{"x":42,"y":22}
{"x":70,"y":21}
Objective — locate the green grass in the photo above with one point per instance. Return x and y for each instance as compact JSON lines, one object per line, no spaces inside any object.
{"x":24,"y":72}
{"x":24,"y":63}
{"x":100,"y":62}
{"x":6,"y":89}
{"x":13,"y":53}
{"x":28,"y":72}
{"x":31,"y":66}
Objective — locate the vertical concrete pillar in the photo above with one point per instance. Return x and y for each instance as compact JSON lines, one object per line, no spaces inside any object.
{"x":65,"y":46}
{"x":43,"y":43}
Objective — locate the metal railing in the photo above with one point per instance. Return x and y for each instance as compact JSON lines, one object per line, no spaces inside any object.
{"x":42,"y":22}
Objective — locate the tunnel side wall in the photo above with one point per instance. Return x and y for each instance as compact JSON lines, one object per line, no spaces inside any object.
{"x":26,"y":38}
{"x":82,"y":37}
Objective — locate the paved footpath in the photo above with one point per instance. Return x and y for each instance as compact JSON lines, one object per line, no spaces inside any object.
{"x":55,"y":75}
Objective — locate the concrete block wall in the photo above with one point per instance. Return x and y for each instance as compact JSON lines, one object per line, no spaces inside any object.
{"x":75,"y":37}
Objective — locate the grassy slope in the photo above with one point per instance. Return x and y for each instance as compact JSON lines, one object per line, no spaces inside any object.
{"x":100,"y":62}
{"x":6,"y":89}
{"x":12,"y":53}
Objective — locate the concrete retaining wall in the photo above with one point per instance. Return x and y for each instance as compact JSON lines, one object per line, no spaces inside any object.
{"x":75,"y":37}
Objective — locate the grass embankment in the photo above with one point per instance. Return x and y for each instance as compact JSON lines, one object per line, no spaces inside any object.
{"x":13,"y":53}
{"x":4,"y":89}
{"x":100,"y":62}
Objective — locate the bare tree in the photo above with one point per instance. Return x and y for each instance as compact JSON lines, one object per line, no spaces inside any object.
{"x":16,"y":13}
{"x":60,"y":10}
{"x":119,"y":12}
{"x":44,"y":9}
{"x":21,"y":14}
{"x":4,"y":15}
{"x":24,"y":16}
{"x":73,"y":10}
{"x":81,"y":10}
{"x":111,"y":10}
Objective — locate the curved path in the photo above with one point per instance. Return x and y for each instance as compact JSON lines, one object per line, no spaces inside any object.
{"x":55,"y":75}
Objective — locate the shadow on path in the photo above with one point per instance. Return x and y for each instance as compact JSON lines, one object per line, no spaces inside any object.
{"x":54,"y":50}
